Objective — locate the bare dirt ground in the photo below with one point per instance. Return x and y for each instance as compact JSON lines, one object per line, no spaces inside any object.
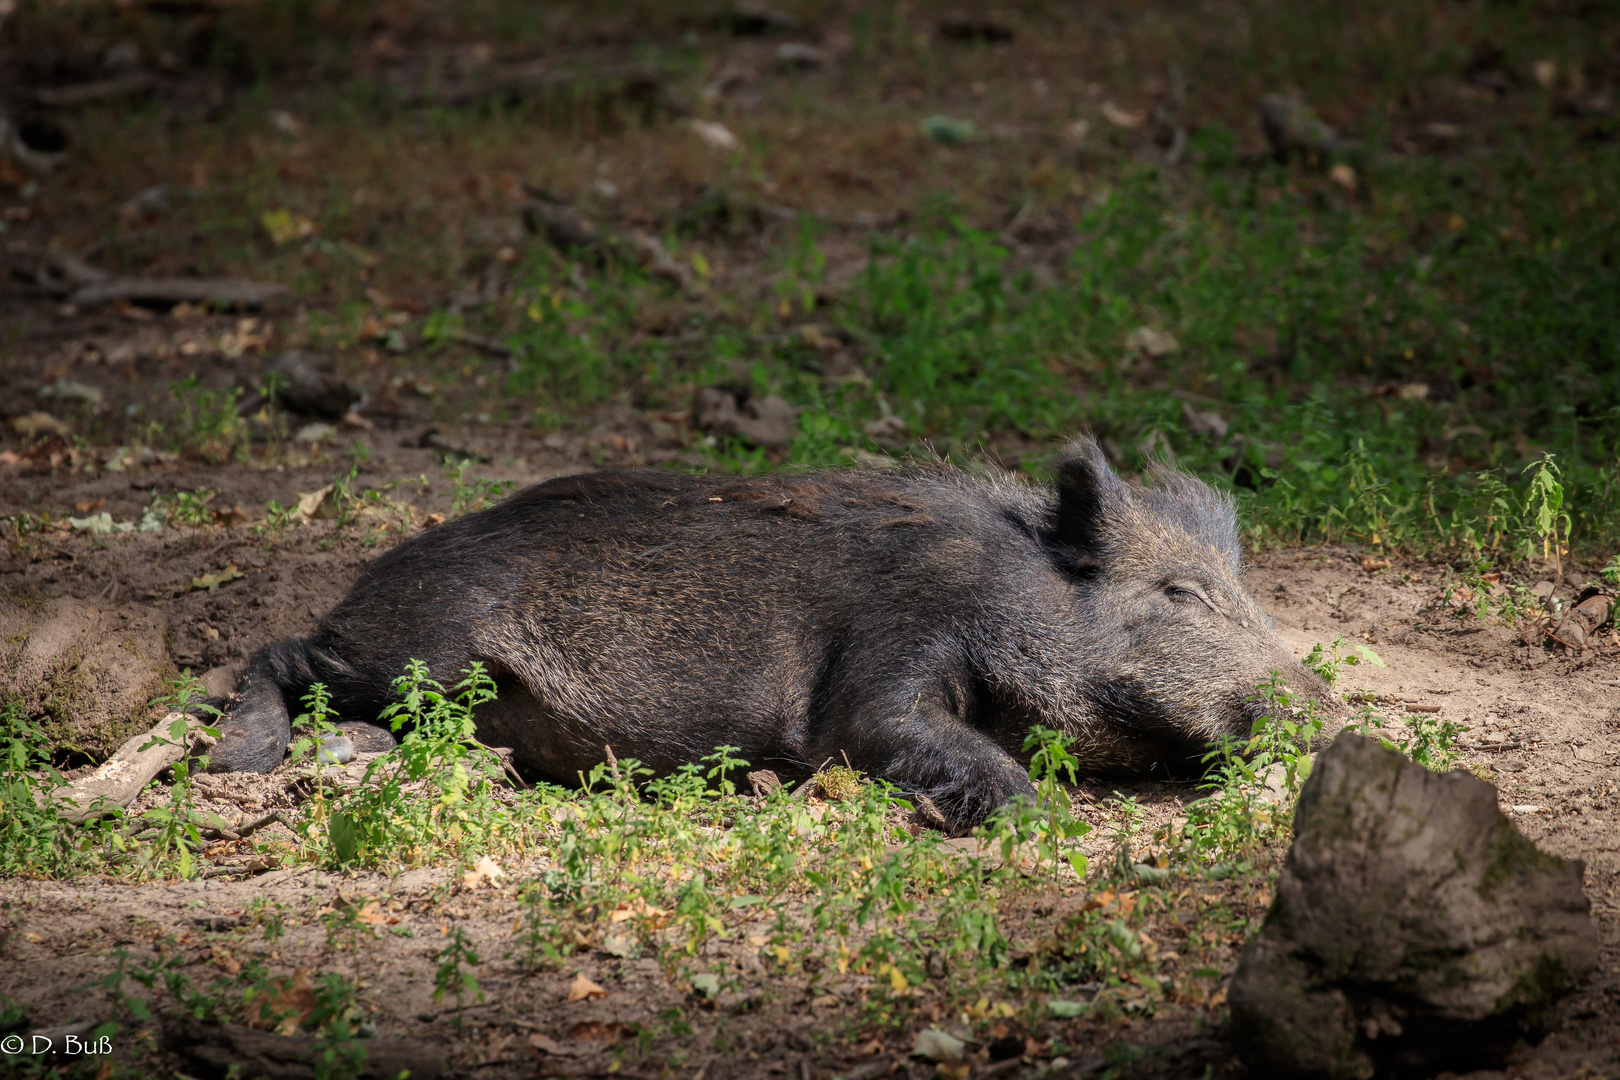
{"x":1544,"y":726}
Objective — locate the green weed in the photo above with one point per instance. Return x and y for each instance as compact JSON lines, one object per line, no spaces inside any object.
{"x":474,"y":493}
{"x":34,"y":838}
{"x":453,"y":977}
{"x":189,"y":509}
{"x":1330,"y":661}
{"x":208,"y":426}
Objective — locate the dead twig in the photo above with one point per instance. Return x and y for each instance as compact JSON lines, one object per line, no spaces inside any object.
{"x":485,"y":345}
{"x":135,"y":82}
{"x":218,"y":1047}
{"x":225,"y":292}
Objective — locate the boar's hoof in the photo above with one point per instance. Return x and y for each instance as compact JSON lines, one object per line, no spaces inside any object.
{"x":1415,"y":929}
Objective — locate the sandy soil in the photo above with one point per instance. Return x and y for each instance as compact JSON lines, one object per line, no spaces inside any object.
{"x":1543,"y":725}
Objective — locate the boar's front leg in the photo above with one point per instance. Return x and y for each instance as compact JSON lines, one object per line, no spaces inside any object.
{"x":916,"y":741}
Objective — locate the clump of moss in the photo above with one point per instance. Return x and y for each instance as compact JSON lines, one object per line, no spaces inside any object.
{"x":838,"y":783}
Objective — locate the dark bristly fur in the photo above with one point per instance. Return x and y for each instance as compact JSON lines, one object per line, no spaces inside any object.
{"x":918,"y":621}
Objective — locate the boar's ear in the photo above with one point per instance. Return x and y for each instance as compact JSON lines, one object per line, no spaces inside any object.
{"x":1087,"y":489}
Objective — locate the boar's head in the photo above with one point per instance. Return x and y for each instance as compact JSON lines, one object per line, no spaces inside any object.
{"x":1176,"y":647}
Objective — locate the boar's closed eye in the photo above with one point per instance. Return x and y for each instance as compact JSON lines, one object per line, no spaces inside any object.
{"x":1185,"y":592}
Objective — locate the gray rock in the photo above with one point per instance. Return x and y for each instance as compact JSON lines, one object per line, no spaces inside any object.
{"x":768,"y":422}
{"x":1414,"y":928}
{"x":84,"y":671}
{"x":1292,"y":127}
{"x":310,"y":385}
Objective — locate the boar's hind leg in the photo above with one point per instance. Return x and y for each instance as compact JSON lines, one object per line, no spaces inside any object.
{"x":961,"y":770}
{"x":256,"y":728}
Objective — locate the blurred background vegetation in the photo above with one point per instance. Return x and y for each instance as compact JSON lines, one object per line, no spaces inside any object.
{"x":1393,"y":318}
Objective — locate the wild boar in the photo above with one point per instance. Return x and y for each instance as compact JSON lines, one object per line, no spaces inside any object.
{"x":917,"y":621}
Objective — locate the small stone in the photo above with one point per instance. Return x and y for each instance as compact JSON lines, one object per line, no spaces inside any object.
{"x":935,"y":1045}
{"x":1414,"y":929}
{"x":1292,"y":126}
{"x":38,"y":425}
{"x":795,"y":55}
{"x":1155,"y":343}
{"x":309,"y":385}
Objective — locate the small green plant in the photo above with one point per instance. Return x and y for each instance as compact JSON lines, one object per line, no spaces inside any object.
{"x":279,"y":518}
{"x":187,"y":508}
{"x":379,"y":820}
{"x":1544,"y":507}
{"x":1330,"y":661}
{"x":316,"y":722}
{"x":342,"y":1025}
{"x":173,"y":832}
{"x":1611,"y":572}
{"x":1049,"y":762}
{"x":1240,"y":810}
{"x":208,"y":425}
{"x":454,"y":977}
{"x":474,"y":493}
{"x":191,"y":507}
{"x":35,"y":838}
{"x":1429,"y":741}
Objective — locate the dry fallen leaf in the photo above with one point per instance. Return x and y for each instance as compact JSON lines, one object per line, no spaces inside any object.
{"x":214,"y":581}
{"x":316,"y":505}
{"x":487,"y":870}
{"x":582,"y":988}
{"x":639,"y":909}
{"x":552,"y":1046}
{"x":1344,"y":176}
{"x":1122,"y":118}
{"x":371,"y":914}
{"x":290,"y":1003}
{"x":597,"y":1031}
{"x":284,"y":226}
{"x":716,"y":135}
{"x":1155,"y":343}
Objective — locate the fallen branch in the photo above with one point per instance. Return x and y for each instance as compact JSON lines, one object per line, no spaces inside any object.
{"x":118,"y":86}
{"x":485,"y":345}
{"x":230,"y":1049}
{"x":269,"y":819}
{"x":121,"y":777}
{"x":226,"y":292}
